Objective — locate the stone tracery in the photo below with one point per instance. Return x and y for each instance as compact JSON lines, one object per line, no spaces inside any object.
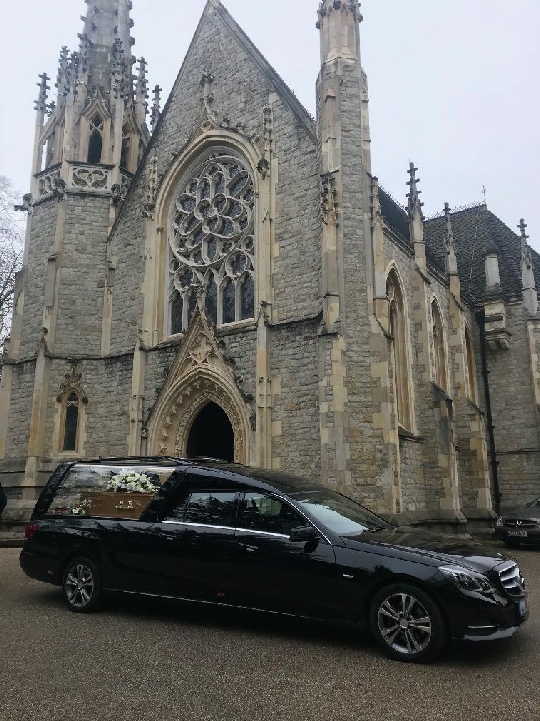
{"x":211,"y":244}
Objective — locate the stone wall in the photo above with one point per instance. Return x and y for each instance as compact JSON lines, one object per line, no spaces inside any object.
{"x":41,"y":246}
{"x":83,"y":269}
{"x":515,"y":415}
{"x":295,"y":414}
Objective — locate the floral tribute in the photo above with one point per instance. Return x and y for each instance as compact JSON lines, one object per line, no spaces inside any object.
{"x":131,"y":482}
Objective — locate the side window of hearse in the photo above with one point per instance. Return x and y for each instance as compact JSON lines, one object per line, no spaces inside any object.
{"x":108,"y":491}
{"x":266,"y":513}
{"x":208,"y":508}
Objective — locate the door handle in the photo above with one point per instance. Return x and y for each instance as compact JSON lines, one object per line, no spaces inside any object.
{"x":248,"y":548}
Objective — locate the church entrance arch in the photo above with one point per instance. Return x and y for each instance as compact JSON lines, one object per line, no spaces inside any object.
{"x":200,"y":414}
{"x":211,"y":434}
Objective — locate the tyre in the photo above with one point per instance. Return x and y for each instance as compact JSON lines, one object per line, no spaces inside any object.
{"x":81,"y":586}
{"x":406,"y":624}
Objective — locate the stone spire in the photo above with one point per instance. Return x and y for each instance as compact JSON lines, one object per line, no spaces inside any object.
{"x":336,"y":17}
{"x":530,"y":296}
{"x":416,"y":217}
{"x":338,"y":21}
{"x":451,"y":260}
{"x":99,"y":117}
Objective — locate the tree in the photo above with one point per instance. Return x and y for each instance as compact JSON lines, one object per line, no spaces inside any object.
{"x":10,"y":255}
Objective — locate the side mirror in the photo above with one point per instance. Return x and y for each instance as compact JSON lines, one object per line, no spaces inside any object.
{"x":304,"y":533}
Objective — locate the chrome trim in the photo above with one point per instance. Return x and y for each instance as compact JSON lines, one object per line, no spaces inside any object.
{"x":482,"y":628}
{"x":199,"y":525}
{"x":511,"y":579}
{"x":254,"y":531}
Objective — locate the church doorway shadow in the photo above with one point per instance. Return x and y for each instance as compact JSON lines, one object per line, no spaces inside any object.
{"x":211,"y":435}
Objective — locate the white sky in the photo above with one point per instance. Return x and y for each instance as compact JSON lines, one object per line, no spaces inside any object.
{"x":453,"y":84}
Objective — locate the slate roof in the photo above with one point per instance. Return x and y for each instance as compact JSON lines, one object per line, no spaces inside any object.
{"x":475,"y":228}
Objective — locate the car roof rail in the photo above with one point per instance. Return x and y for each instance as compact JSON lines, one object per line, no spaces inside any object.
{"x":134,"y":459}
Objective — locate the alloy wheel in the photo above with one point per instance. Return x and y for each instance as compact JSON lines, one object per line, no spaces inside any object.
{"x":404,"y":624}
{"x":79,"y":585}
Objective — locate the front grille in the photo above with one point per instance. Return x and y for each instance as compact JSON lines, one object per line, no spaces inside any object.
{"x":511,"y":578}
{"x":520,"y":523}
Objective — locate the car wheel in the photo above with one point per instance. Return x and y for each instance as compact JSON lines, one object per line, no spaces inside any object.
{"x":407,"y":624}
{"x":81,"y":586}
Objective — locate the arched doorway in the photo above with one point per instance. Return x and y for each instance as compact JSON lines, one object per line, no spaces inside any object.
{"x":211,"y":434}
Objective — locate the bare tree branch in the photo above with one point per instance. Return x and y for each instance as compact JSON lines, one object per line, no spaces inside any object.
{"x":10,"y":255}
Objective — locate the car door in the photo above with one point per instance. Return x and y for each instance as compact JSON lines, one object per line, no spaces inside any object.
{"x":194,"y":542}
{"x":275,"y":573}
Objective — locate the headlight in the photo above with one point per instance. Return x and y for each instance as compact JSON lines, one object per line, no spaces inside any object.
{"x":467,"y":580}
{"x":500,"y":522}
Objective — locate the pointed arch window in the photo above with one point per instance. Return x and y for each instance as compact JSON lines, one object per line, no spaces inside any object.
{"x":127,"y":161}
{"x":400,"y":364}
{"x":471,"y":367}
{"x":95,"y":142}
{"x":211,"y":242}
{"x":70,"y":427}
{"x":439,"y":354}
{"x":71,"y":422}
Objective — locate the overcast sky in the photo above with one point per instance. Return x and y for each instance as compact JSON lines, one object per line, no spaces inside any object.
{"x":453,"y":84}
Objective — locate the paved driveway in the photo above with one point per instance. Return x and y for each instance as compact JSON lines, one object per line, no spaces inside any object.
{"x":141,"y":660}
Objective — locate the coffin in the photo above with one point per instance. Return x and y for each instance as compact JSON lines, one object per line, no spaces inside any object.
{"x":115,"y":504}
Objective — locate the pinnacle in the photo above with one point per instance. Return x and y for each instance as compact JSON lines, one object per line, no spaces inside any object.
{"x":414,"y":206}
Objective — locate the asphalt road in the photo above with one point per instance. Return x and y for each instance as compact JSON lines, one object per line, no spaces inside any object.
{"x":142,"y":660}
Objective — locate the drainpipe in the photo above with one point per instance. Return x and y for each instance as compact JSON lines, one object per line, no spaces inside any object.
{"x":481,"y":318}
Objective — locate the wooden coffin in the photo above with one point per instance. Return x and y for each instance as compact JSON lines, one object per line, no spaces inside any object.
{"x":115,"y":504}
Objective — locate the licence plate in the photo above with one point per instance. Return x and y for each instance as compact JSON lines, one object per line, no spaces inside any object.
{"x":521,"y":534}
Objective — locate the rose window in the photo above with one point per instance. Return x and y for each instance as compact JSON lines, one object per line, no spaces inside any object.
{"x":211,"y":245}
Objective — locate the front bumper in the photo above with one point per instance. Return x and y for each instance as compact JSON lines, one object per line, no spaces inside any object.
{"x":484,"y":620}
{"x":517,"y":535}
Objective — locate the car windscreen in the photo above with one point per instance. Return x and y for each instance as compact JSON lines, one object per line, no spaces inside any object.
{"x":338,"y":513}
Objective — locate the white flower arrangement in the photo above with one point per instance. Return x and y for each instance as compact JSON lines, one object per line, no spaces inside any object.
{"x":131,"y":482}
{"x":82,"y":509}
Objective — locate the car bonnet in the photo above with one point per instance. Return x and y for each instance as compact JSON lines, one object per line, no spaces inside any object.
{"x":432,"y":548}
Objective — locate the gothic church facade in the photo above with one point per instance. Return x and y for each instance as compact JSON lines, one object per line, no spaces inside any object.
{"x":235,"y":283}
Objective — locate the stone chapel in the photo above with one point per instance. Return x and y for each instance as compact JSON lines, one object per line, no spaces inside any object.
{"x":225,"y":277}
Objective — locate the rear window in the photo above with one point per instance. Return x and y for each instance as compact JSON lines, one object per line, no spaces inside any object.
{"x":110,"y":491}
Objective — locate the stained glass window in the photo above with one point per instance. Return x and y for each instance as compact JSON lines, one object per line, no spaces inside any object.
{"x":229,"y":302}
{"x":211,"y":300}
{"x":177,"y":312}
{"x":248,"y":298}
{"x":211,"y":230}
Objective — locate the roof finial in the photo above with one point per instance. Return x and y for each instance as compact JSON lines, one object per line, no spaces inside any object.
{"x":156,"y":107}
{"x":523,"y":227}
{"x":414,"y":206}
{"x":528,"y":281}
{"x":449,"y":245}
{"x":41,"y":102}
